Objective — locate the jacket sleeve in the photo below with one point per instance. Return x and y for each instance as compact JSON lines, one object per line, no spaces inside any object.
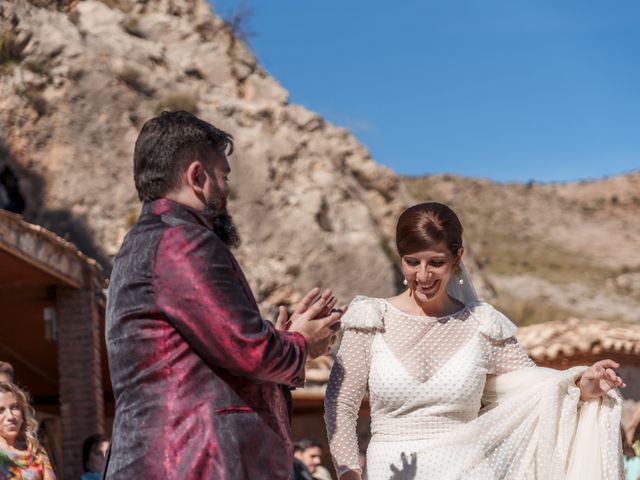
{"x":201,"y":291}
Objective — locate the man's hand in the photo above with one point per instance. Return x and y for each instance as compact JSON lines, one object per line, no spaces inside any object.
{"x":317,"y":321}
{"x":283,"y":322}
{"x":598,"y":379}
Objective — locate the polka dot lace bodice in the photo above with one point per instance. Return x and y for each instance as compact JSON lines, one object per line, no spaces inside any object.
{"x":424,"y":375}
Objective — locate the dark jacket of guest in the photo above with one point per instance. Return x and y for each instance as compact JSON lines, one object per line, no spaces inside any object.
{"x":299,"y":471}
{"x":195,"y":369}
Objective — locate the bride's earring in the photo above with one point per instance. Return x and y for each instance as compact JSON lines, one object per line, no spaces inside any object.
{"x":405,"y":282}
{"x":459,"y":275}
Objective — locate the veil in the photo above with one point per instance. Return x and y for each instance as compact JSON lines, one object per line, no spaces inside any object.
{"x":464,"y":293}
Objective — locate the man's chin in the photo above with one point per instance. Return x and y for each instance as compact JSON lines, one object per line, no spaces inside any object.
{"x":224,"y":227}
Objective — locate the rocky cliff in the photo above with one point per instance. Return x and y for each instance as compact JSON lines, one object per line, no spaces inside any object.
{"x":78,"y":80}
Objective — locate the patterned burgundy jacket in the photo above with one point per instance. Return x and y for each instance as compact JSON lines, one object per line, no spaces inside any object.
{"x":194,"y":367}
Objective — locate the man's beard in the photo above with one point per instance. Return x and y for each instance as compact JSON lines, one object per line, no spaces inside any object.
{"x":223,"y":225}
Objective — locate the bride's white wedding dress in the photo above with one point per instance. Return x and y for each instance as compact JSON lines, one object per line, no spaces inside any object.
{"x":457,"y":398}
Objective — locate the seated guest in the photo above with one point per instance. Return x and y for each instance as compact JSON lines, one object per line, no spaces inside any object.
{"x":21,"y":456}
{"x":299,"y":471}
{"x":6,"y":372}
{"x":94,"y":453}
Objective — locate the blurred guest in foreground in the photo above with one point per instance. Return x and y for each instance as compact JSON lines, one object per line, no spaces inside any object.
{"x":94,"y":453}
{"x":21,"y":456}
{"x":631,"y":459}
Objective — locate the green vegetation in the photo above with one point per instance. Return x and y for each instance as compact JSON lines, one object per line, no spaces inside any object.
{"x":504,"y":253}
{"x":35,"y":99}
{"x":42,"y":3}
{"x":132,"y":26}
{"x":501,"y":237}
{"x":10,"y":51}
{"x":237,"y":22}
{"x":394,"y":260}
{"x":39,"y":68}
{"x":511,"y":232}
{"x":178,"y":101}
{"x":132,"y":216}
{"x":122,"y":5}
{"x":528,"y":312}
{"x":132,"y":77}
{"x":207,"y":30}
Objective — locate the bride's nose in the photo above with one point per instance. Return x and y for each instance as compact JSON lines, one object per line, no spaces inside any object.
{"x":423,"y":273}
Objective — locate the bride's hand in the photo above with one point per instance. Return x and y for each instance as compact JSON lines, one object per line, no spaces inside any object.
{"x":283,"y":322}
{"x":598,"y":379}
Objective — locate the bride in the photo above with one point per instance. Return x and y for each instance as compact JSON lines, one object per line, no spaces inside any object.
{"x":452,"y":394}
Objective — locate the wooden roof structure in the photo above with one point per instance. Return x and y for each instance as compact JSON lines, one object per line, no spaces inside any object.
{"x":51,"y":315}
{"x":35,"y":263}
{"x":58,"y":260}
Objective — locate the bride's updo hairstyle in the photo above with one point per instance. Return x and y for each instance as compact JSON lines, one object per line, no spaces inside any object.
{"x":424,"y":225}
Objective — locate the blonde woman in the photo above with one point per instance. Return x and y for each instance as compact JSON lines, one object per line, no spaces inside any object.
{"x":21,"y":456}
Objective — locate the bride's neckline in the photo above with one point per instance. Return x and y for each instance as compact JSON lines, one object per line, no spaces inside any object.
{"x":426,"y":317}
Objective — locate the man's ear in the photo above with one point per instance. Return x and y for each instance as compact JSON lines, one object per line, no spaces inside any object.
{"x":196,"y":178}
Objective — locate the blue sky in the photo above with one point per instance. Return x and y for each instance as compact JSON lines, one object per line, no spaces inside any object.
{"x":545,"y":90}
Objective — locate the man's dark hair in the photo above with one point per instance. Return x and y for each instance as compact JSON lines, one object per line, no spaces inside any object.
{"x":302,"y":444}
{"x":165,"y":144}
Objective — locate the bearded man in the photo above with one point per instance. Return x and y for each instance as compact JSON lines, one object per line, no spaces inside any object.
{"x":196,"y":372}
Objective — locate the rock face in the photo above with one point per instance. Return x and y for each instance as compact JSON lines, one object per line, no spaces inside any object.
{"x":78,"y":80}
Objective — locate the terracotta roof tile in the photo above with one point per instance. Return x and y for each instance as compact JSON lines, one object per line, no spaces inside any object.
{"x":548,"y":341}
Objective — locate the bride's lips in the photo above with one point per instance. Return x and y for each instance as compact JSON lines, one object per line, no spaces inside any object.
{"x":428,"y":288}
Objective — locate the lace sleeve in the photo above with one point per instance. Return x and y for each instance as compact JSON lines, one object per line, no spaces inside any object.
{"x":507,"y":356}
{"x":347,"y":385}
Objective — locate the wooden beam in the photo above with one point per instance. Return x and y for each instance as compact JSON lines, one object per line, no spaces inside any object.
{"x":27,"y":294}
{"x":64,"y":278}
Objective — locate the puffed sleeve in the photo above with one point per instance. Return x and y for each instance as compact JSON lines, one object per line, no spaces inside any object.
{"x":503,"y":350}
{"x":348,"y":382}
